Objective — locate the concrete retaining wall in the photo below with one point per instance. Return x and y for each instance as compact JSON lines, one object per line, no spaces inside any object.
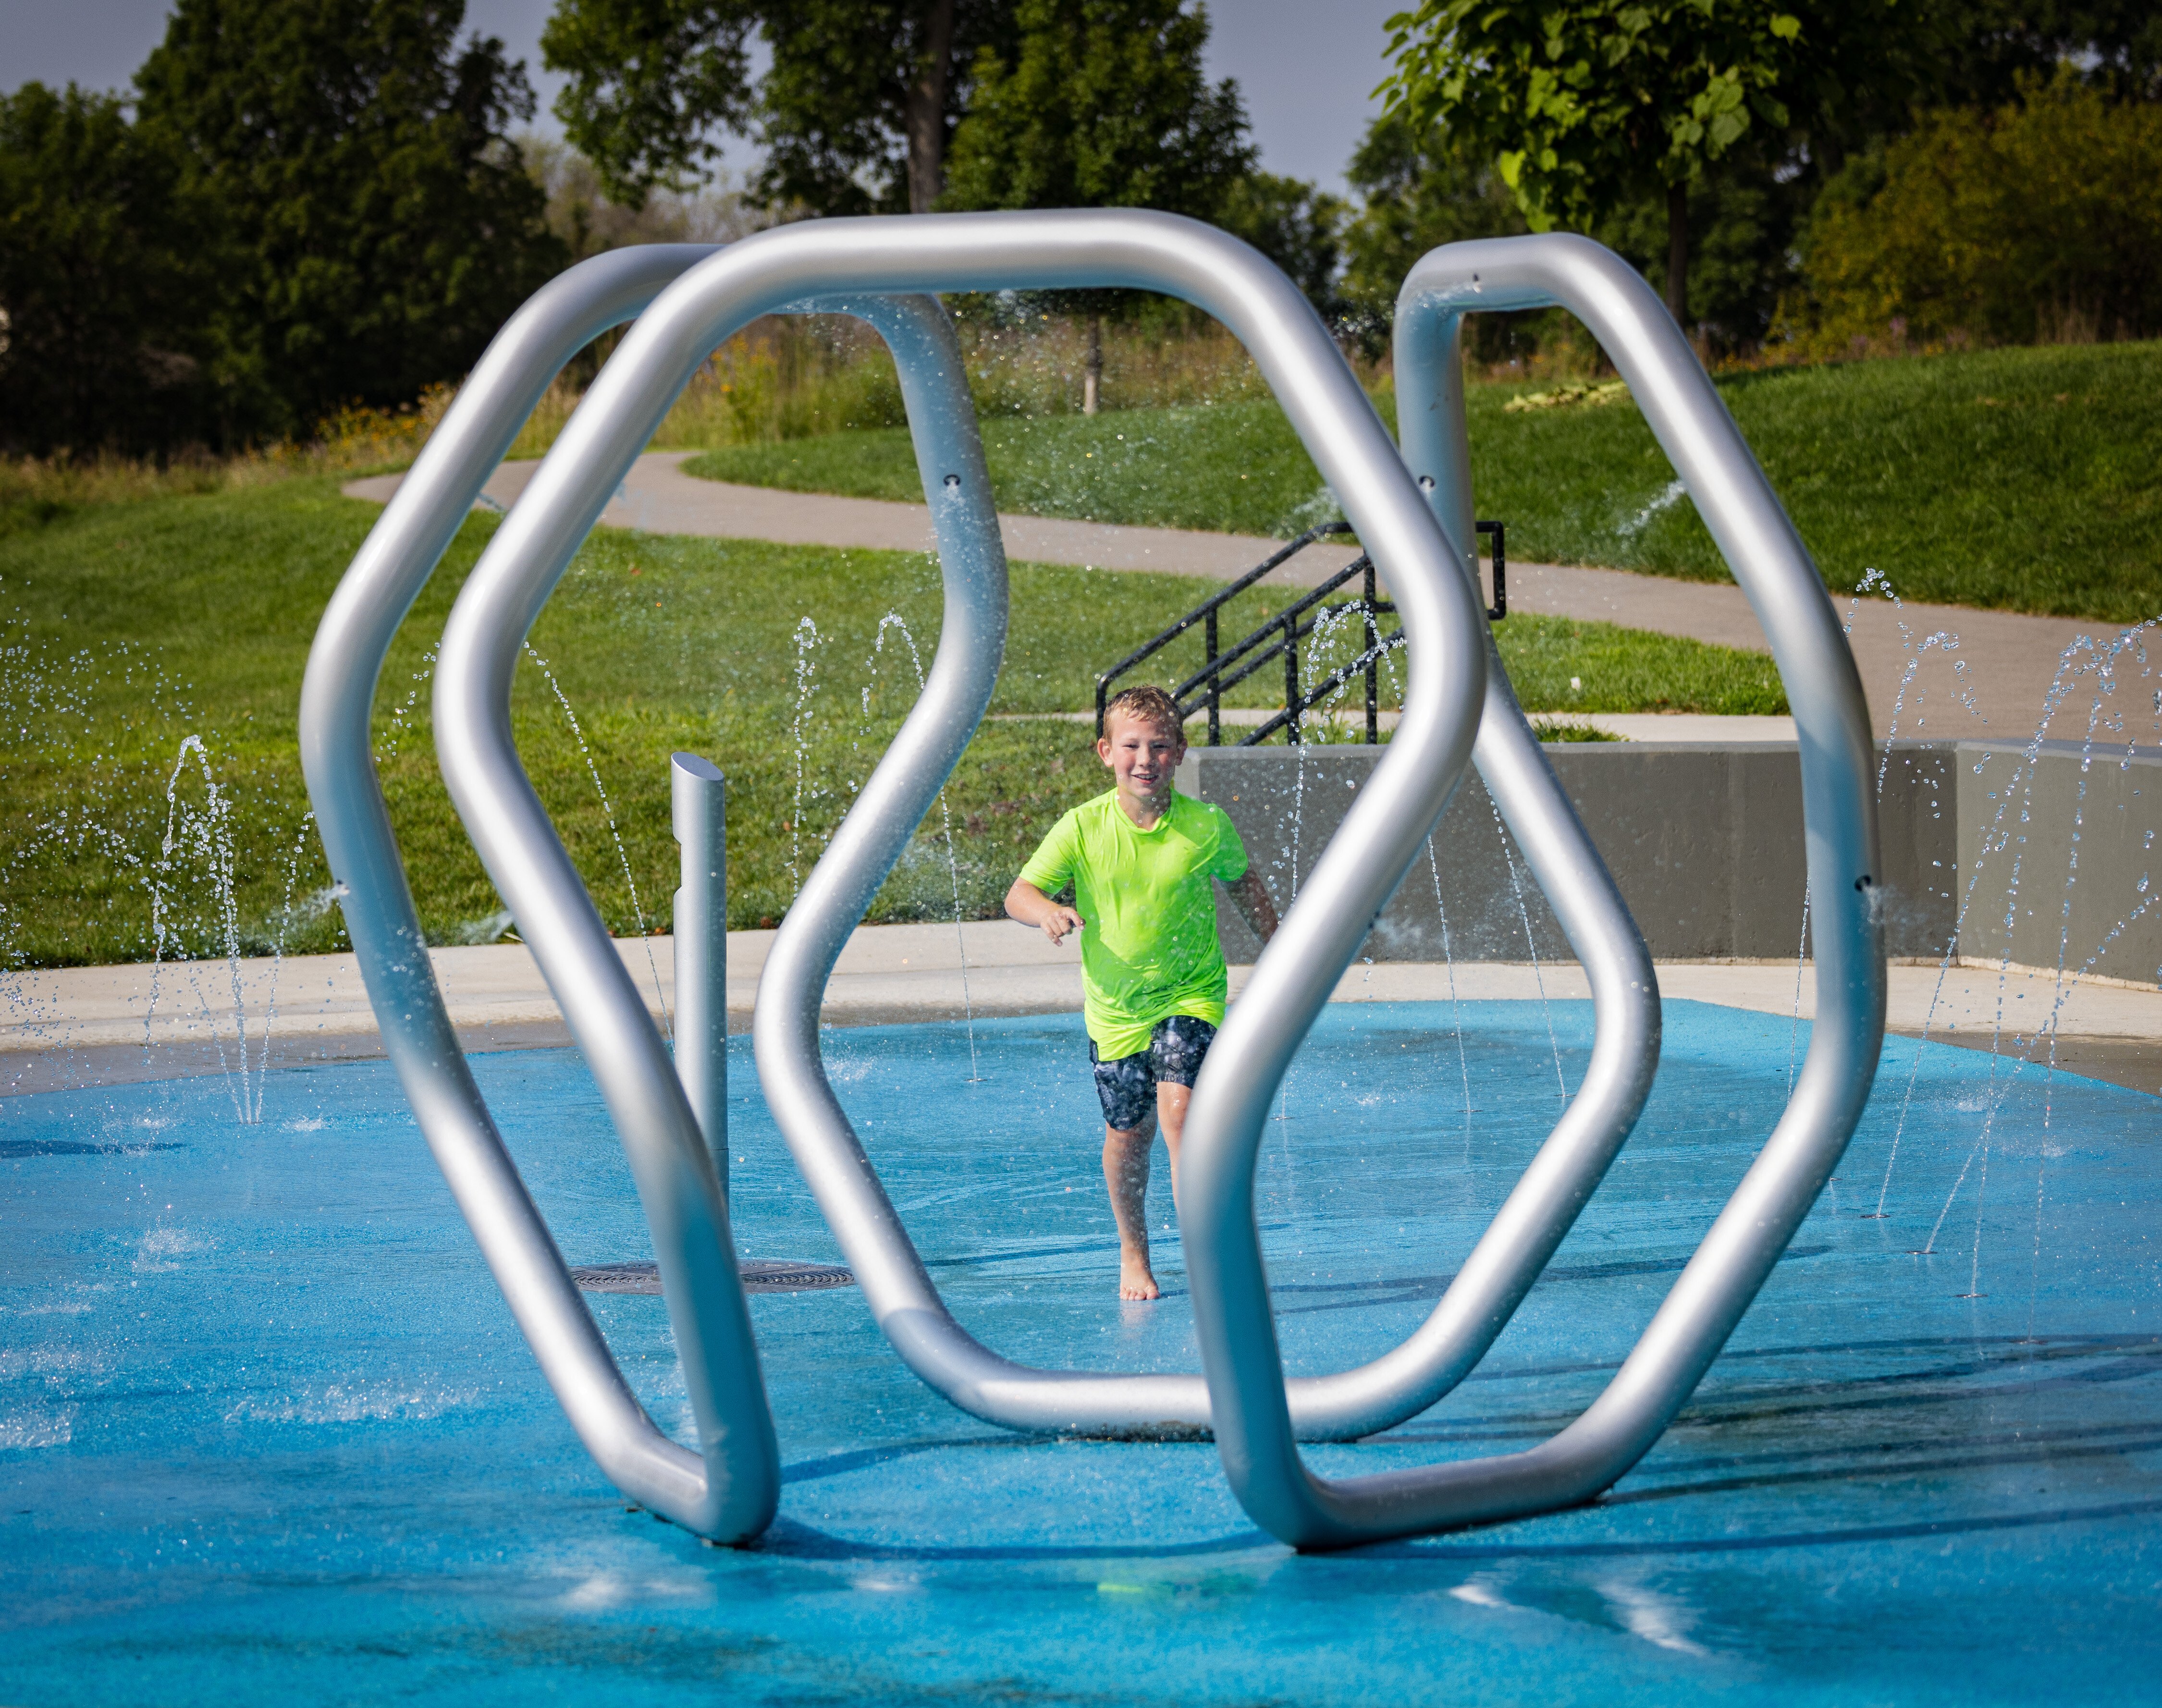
{"x":1705,"y":842}
{"x":2069,"y":859}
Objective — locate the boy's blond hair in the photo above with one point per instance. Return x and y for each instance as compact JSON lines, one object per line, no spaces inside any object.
{"x":1151,"y":705}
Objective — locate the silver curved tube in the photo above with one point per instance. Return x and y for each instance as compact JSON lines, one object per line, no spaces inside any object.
{"x":697,"y":800}
{"x":1254,"y":1430}
{"x":729,"y":1491}
{"x":1394,"y":815}
{"x":1625,"y":993}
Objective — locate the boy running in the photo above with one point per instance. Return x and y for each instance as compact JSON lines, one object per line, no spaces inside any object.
{"x":1141,"y":858}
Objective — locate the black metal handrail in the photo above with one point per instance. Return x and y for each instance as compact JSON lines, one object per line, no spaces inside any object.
{"x":1500,"y":608}
{"x":1205,"y":614}
{"x":1207,"y":685}
{"x":1290,"y":626}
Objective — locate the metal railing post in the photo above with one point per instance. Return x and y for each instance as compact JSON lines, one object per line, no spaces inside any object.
{"x":1373,"y":664}
{"x":1210,"y":675}
{"x":1500,"y":608}
{"x":1215,"y":692}
{"x":698,"y":801}
{"x":1293,"y":732}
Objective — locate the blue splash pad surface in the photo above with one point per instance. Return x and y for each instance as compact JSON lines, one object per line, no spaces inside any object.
{"x":267,"y":1429}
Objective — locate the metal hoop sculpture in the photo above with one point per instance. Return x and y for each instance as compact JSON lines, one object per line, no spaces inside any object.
{"x":688,"y":1215}
{"x":729,"y":1491}
{"x":1412,"y":785}
{"x":1254,"y":1429}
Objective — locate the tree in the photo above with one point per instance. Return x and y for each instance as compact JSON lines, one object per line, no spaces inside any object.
{"x":859,"y":107}
{"x":370,"y":222}
{"x":1103,"y":103}
{"x":1586,"y":103}
{"x":101,"y":297}
{"x":1297,"y":225}
{"x":855,"y":113}
{"x":1422,"y":192}
{"x":651,"y":80}
{"x":587,"y":222}
{"x":1981,"y":50}
{"x":1419,"y":193}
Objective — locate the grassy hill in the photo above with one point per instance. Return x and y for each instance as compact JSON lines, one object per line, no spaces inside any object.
{"x":128,"y":629}
{"x":2026,"y":480}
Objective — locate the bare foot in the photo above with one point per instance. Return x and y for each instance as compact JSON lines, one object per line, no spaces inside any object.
{"x":1135,"y":1280}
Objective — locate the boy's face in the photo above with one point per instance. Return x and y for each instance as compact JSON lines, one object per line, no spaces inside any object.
{"x":1142,"y":755}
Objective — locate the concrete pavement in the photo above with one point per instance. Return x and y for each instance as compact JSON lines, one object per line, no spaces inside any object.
{"x":116,"y":1024}
{"x":1938,"y":671}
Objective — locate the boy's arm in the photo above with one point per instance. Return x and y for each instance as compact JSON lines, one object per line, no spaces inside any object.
{"x":1029,"y":905}
{"x":1044,"y":876}
{"x":1250,"y":896}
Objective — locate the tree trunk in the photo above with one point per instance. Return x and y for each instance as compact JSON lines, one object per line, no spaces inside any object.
{"x":1092,"y":369}
{"x":1678,"y":253}
{"x":926,"y":109}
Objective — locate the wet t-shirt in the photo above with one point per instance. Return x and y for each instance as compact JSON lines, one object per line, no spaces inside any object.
{"x":1148,"y":944}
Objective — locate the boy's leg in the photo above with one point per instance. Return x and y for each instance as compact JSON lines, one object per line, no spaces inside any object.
{"x":1176,"y":1054}
{"x":1170,"y":1101}
{"x":1126,"y":1174}
{"x":1125,"y":1088}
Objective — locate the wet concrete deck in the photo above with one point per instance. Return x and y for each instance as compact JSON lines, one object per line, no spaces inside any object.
{"x":116,"y":1024}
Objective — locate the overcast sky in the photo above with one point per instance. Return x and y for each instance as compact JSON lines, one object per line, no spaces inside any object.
{"x":1305,"y":70}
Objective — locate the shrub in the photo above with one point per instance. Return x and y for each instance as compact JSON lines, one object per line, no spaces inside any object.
{"x":2039,"y":221}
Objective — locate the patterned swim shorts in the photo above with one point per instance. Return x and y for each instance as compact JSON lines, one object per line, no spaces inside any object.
{"x":1126,"y":1087}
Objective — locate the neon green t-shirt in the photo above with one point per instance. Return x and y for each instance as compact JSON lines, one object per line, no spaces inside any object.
{"x":1148,"y":947}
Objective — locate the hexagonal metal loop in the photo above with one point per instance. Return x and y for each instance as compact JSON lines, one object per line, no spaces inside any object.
{"x":1254,"y":1425}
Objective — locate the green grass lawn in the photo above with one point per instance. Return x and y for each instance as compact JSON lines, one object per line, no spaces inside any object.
{"x":127,"y":629}
{"x":2021,"y":479}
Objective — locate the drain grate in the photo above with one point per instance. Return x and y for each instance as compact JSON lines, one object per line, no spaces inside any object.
{"x":760,"y":1275}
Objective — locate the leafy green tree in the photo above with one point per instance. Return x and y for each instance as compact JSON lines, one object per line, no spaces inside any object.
{"x":1297,"y":225}
{"x":1587,"y":104}
{"x":651,"y":82}
{"x":854,"y":114}
{"x":1419,"y":193}
{"x":370,"y":222}
{"x":102,"y":296}
{"x":1744,"y":218}
{"x":1103,"y":103}
{"x":860,"y":108}
{"x":581,"y":214}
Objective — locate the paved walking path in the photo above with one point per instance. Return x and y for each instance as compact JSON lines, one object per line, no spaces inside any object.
{"x":89,"y":1025}
{"x":658,"y":497}
{"x":1937,"y":670}
{"x":1350,"y":723}
{"x":1974,"y":673}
